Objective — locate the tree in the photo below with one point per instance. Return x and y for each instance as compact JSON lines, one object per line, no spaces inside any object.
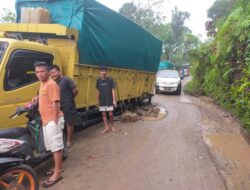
{"x":129,"y":10}
{"x":162,"y":31}
{"x":222,"y":68}
{"x":177,"y":39}
{"x":144,"y":14}
{"x":177,"y":24}
{"x":220,"y":9}
{"x":175,"y":45}
{"x":210,"y":28}
{"x":146,"y":18}
{"x":7,"y":16}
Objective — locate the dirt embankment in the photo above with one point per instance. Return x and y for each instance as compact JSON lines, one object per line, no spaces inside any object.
{"x":229,"y":146}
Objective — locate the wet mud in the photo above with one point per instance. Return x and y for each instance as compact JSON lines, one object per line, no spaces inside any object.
{"x":230,"y":149}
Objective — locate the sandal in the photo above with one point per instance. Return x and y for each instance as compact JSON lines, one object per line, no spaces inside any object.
{"x":49,"y":183}
{"x":51,"y":172}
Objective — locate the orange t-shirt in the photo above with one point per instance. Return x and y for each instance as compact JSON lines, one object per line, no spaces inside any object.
{"x":49,"y":92}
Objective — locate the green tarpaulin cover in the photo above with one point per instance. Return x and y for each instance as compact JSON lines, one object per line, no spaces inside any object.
{"x":105,"y":37}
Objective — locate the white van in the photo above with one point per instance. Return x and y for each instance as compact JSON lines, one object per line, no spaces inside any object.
{"x":168,"y":81}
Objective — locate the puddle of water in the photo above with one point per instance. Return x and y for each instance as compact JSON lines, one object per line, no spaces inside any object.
{"x":231,"y":145}
{"x":185,"y":100}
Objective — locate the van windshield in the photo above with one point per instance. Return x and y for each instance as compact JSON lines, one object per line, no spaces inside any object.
{"x":168,"y":74}
{"x":3,"y":47}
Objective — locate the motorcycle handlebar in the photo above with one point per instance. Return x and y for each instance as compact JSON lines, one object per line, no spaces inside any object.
{"x":19,"y":111}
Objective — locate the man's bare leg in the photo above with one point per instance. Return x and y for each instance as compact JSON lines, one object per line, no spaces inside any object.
{"x":104,"y":118}
{"x":70,"y":132}
{"x":111,"y":115}
{"x":57,"y":165}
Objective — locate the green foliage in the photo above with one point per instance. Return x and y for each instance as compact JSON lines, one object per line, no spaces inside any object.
{"x":177,"y":39}
{"x":162,"y":31}
{"x":181,"y":40}
{"x":145,"y":15}
{"x":223,"y":65}
{"x":217,"y":13}
{"x":128,"y":10}
{"x":177,"y":23}
{"x":6,"y":16}
{"x":194,"y":87}
{"x":220,"y":9}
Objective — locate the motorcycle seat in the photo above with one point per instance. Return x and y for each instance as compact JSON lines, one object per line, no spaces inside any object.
{"x":12,"y":133}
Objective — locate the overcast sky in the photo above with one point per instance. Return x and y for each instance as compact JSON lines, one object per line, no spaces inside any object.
{"x":197,"y":9}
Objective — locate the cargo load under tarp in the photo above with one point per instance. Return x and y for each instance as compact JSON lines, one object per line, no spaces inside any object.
{"x":105,"y":37}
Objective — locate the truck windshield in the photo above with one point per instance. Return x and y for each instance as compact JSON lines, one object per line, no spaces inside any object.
{"x":3,"y":47}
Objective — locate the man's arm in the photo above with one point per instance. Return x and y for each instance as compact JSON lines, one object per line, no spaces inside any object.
{"x":114,"y":99}
{"x":54,"y":96}
{"x":35,"y":100}
{"x":98,"y":93}
{"x":55,"y":111}
{"x":113,"y":93}
{"x":97,"y":98}
{"x":75,"y":91}
{"x":72,"y":85}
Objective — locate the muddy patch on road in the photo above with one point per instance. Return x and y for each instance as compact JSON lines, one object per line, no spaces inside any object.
{"x":229,"y":148}
{"x":233,"y":146}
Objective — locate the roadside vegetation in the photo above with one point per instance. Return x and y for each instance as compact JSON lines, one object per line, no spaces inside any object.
{"x":6,"y":16}
{"x":222,"y":64}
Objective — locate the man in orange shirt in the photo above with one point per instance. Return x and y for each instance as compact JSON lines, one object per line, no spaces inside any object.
{"x":52,"y":119}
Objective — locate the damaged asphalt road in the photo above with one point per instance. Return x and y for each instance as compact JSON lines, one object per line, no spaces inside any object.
{"x":179,"y":152}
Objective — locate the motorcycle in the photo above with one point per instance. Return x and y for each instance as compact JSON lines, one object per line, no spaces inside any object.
{"x":14,"y":174}
{"x":32,"y":135}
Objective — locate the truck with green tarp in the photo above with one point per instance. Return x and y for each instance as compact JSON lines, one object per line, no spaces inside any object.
{"x":105,"y":37}
{"x":81,"y":36}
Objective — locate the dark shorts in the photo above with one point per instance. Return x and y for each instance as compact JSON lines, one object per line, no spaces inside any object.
{"x":70,"y":115}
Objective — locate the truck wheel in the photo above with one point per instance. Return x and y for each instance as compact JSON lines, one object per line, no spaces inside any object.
{"x":178,"y":92}
{"x":149,"y":99}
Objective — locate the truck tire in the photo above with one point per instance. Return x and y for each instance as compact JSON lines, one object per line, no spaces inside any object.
{"x":178,"y":92}
{"x":157,"y":91}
